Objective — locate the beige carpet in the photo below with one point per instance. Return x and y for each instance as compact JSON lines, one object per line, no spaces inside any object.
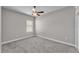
{"x":37,"y":45}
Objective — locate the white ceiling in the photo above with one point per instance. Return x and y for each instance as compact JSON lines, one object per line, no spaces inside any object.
{"x":28,"y":9}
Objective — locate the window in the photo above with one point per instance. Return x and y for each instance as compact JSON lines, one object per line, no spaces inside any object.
{"x":29,"y":26}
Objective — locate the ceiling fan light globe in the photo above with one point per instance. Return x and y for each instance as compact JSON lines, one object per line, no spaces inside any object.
{"x":34,"y":14}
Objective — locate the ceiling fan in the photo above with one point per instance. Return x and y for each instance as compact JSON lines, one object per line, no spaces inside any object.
{"x":35,"y":12}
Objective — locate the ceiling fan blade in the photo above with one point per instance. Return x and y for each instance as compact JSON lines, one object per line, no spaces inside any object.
{"x":40,"y":12}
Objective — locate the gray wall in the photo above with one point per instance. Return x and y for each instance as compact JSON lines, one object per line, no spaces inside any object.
{"x":58,"y":25}
{"x":14,"y":24}
{"x":0,"y":28}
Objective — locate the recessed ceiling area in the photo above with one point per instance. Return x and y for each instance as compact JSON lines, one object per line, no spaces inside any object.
{"x":28,"y":9}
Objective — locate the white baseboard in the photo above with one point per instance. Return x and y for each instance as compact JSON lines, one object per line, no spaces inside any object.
{"x":57,"y":41}
{"x":20,"y":38}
